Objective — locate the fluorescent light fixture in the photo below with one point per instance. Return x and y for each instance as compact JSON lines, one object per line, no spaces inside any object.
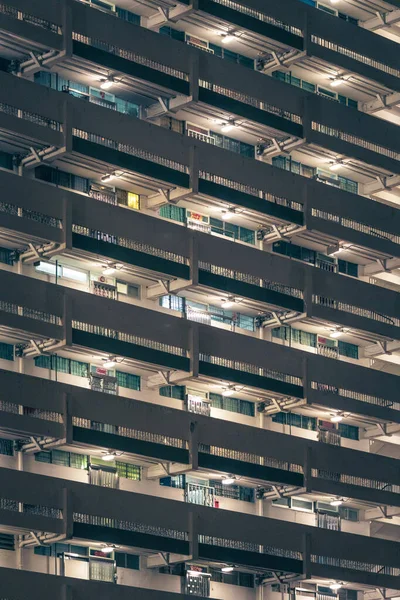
{"x":226,"y":215}
{"x":335,"y":586}
{"x":109,"y":456}
{"x":227,"y":569}
{"x":334,"y":1}
{"x":109,"y":364}
{"x":107,"y":549}
{"x":228,"y":392}
{"x":337,"y":502}
{"x":228,"y":480}
{"x":336,"y":82}
{"x":336,"y":334}
{"x":226,"y":127}
{"x":107,"y":177}
{"x":107,"y":83}
{"x":336,"y":418}
{"x":109,"y":270}
{"x":227,"y":303}
{"x":335,"y":166}
{"x":227,"y":38}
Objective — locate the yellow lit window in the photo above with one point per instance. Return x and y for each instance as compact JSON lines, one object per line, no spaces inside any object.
{"x":133,"y":201}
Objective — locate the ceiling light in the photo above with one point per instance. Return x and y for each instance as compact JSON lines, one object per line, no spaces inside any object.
{"x":107,"y":549}
{"x":335,"y":585}
{"x":109,"y":456}
{"x":227,"y":569}
{"x":335,"y":166}
{"x":107,"y":83}
{"x":337,"y":502}
{"x":334,"y":1}
{"x":228,"y":480}
{"x":336,"y":334}
{"x":109,"y":364}
{"x":227,"y":214}
{"x":107,"y":177}
{"x":228,"y":392}
{"x":227,"y":303}
{"x":225,"y":127}
{"x":227,"y":38}
{"x":336,"y":418}
{"x":109,"y":270}
{"x":337,"y":81}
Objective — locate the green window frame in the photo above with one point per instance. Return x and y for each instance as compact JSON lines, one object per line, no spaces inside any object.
{"x":62,"y":365}
{"x":6,"y":351}
{"x":295,"y":420}
{"x":63,"y":459}
{"x":6,"y":447}
{"x":128,"y":380}
{"x":173,"y":391}
{"x":347,"y":349}
{"x":351,"y":432}
{"x":175,"y":213}
{"x":243,"y":407}
{"x":7,"y":256}
{"x":128,"y":471}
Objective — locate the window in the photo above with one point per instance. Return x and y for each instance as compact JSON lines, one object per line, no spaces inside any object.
{"x":133,"y":291}
{"x":349,"y":514}
{"x":128,"y":380}
{"x":127,"y":561}
{"x":295,"y":420}
{"x":244,"y":407}
{"x":7,"y":256}
{"x":62,"y":178}
{"x":350,"y":432}
{"x":348,"y":350}
{"x":348,"y":268}
{"x":128,"y":471}
{"x":173,"y":302}
{"x":7,"y":542}
{"x":294,"y":251}
{"x":228,"y":316}
{"x":173,"y":391}
{"x":232,"y":231}
{"x":64,"y":459}
{"x":6,"y":447}
{"x":179,"y":481}
{"x":234,"y":578}
{"x":6,"y":351}
{"x":57,"y":549}
{"x":234,"y":492}
{"x":62,"y":271}
{"x":297,"y":336}
{"x":175,"y":213}
{"x":127,"y":15}
{"x":62,"y":365}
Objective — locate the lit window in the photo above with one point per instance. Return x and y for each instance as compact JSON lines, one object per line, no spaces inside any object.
{"x":133,"y":201}
{"x":74,"y":274}
{"x":49,"y":268}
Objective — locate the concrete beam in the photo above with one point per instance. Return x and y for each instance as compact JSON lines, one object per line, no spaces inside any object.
{"x":169,"y":15}
{"x":381,"y":21}
{"x":382,"y":102}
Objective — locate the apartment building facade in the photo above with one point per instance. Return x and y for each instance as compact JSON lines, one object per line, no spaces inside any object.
{"x":199,"y":299}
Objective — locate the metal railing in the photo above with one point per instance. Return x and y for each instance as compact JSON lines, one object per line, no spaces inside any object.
{"x":251,"y":279}
{"x":260,"y":16}
{"x":127,"y":243}
{"x":13,"y":111}
{"x":31,"y":313}
{"x":131,"y":56}
{"x":355,"y":310}
{"x":129,"y":526}
{"x":353,"y":139}
{"x":196,"y":493}
{"x":252,"y":191}
{"x":128,"y":149}
{"x":32,"y":215}
{"x":331,"y":389}
{"x":355,"y":225}
{"x":128,"y":337}
{"x":202,"y":137}
{"x":14,"y":13}
{"x":137,"y":434}
{"x":249,"y":100}
{"x":376,"y":64}
{"x":249,"y":368}
{"x":252,"y":458}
